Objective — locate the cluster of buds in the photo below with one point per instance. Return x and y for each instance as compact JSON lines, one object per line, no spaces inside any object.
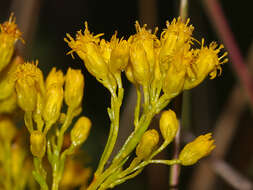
{"x":43,"y":101}
{"x":173,"y":61}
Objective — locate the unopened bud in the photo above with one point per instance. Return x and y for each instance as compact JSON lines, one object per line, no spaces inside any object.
{"x":54,"y":78}
{"x":38,"y":143}
{"x":169,"y":125}
{"x":74,"y":86}
{"x":197,"y":149}
{"x":119,"y":56}
{"x":147,"y":144}
{"x":26,"y":94}
{"x":80,"y":131}
{"x":53,"y":103}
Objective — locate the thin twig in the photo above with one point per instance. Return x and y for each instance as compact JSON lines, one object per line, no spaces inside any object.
{"x":175,"y":169}
{"x":231,"y":176}
{"x":216,"y":15}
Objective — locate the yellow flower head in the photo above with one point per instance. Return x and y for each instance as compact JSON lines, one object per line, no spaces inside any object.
{"x":173,"y":38}
{"x":207,"y":62}
{"x":179,"y":66}
{"x":119,"y":54}
{"x":10,"y":28}
{"x":87,"y":47}
{"x":197,"y":149}
{"x":27,"y":77}
{"x":9,"y":34}
{"x":142,"y":53}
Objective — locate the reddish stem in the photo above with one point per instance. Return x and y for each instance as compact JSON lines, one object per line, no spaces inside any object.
{"x":220,"y":23}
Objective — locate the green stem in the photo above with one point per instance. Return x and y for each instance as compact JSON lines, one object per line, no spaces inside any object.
{"x":28,"y":121}
{"x":97,"y":181}
{"x":114,"y":114}
{"x":39,"y":173}
{"x":137,"y":107}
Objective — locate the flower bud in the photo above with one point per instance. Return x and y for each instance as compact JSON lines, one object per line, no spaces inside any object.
{"x":54,"y":78}
{"x":53,"y":103}
{"x":27,"y":77}
{"x":7,"y":129}
{"x":38,"y":143}
{"x":197,"y":149}
{"x":26,"y":94}
{"x":74,"y":86}
{"x":9,"y":34}
{"x":140,"y":65}
{"x":169,"y":125}
{"x":80,"y":131}
{"x":147,"y":144}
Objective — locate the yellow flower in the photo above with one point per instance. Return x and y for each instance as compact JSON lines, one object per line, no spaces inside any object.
{"x":147,"y":144}
{"x":9,"y":34}
{"x":179,"y":66}
{"x":207,"y":62}
{"x":74,"y":88}
{"x":87,"y":47}
{"x":168,"y":125}
{"x":197,"y":149}
{"x":173,"y":38}
{"x":119,"y":54}
{"x":27,"y":79}
{"x":142,"y":54}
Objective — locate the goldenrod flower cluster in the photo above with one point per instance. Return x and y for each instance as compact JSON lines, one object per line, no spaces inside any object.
{"x":172,"y":60}
{"x":22,"y":83}
{"x":160,"y":67}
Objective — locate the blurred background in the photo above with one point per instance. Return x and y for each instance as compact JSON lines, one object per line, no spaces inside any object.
{"x":222,"y":105}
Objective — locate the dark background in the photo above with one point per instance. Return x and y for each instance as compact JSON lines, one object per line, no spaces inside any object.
{"x":47,"y":22}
